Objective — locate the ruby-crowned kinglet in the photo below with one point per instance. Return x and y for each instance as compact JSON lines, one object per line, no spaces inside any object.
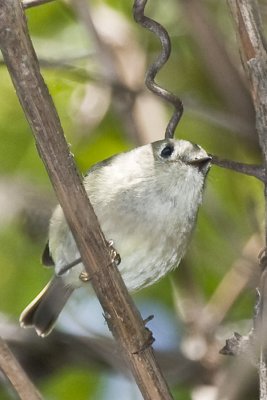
{"x":146,"y":201}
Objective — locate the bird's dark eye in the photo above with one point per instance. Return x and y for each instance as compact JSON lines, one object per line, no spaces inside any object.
{"x":167,"y":151}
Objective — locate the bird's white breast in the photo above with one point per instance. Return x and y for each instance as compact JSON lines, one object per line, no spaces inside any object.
{"x":149,"y":220}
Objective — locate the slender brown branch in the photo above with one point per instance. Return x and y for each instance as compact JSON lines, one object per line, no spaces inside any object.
{"x":16,"y":375}
{"x":248,"y":169}
{"x":121,"y":315}
{"x":254,"y":57}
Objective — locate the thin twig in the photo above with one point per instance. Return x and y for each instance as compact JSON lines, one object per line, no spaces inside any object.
{"x":257,"y":171}
{"x":254,"y":57}
{"x":121,"y":315}
{"x":162,"y":34}
{"x":16,"y":375}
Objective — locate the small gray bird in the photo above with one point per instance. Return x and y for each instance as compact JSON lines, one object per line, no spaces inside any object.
{"x":146,"y":201}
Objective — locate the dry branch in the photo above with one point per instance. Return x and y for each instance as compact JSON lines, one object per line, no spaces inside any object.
{"x":122,"y":317}
{"x":254,"y":58}
{"x":16,"y":375}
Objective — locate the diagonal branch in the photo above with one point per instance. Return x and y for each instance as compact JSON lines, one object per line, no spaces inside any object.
{"x":122,"y":317}
{"x":254,"y":58}
{"x":16,"y":375}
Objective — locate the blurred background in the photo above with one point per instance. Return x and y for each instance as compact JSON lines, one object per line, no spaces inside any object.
{"x":93,"y":57}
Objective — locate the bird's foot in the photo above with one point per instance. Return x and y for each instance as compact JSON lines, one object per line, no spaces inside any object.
{"x":84,"y":276}
{"x":116,"y":258}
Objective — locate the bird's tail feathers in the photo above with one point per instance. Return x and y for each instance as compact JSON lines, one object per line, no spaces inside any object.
{"x":44,"y":310}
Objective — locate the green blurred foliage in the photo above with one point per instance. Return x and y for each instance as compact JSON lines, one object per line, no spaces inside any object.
{"x":232,"y":202}
{"x":78,"y":384}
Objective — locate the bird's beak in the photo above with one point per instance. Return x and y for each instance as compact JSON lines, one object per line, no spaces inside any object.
{"x":202,"y":163}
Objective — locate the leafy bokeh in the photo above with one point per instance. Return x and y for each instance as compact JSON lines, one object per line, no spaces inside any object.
{"x":233,"y":204}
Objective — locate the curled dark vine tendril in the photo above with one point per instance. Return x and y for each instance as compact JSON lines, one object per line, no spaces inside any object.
{"x":162,"y":34}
